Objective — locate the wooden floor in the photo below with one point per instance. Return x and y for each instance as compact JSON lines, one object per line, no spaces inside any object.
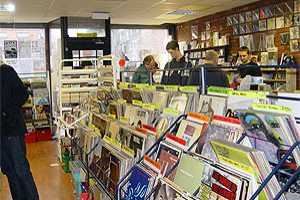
{"x":52,"y":182}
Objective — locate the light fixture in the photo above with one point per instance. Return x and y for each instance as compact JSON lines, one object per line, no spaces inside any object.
{"x":7,"y":7}
{"x":100,"y":15}
{"x":182,"y":12}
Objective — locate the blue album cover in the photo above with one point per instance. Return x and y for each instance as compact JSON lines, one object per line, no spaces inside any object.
{"x":138,"y":185}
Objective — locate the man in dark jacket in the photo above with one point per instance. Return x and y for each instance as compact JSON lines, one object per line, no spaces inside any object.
{"x":176,"y":77}
{"x":14,"y":163}
{"x":213,"y":76}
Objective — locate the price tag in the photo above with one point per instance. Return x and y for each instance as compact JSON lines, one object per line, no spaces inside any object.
{"x":151,"y":163}
{"x":218,"y":90}
{"x":128,"y":150}
{"x":112,"y":116}
{"x":122,"y":101}
{"x":199,"y":117}
{"x":123,"y":85}
{"x":149,"y":106}
{"x":271,"y":108}
{"x":171,"y":111}
{"x":150,"y":87}
{"x":116,"y":143}
{"x":107,"y":139}
{"x":140,"y":85}
{"x":190,"y":89}
{"x":137,"y":102}
{"x":251,"y":94}
{"x":171,"y":87}
{"x":124,"y":119}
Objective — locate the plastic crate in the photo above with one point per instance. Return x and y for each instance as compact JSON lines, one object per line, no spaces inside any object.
{"x":43,"y":134}
{"x":30,"y":137}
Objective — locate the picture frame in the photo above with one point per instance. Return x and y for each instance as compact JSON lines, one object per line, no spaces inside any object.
{"x":270,"y":11}
{"x":194,"y":32}
{"x":263,"y":13}
{"x":289,"y":7}
{"x":271,"y":23}
{"x":235,"y":29}
{"x":255,"y":15}
{"x":288,"y":20}
{"x":255,"y":26}
{"x":297,"y":19}
{"x":242,"y":28}
{"x":248,"y":16}
{"x":235,"y":19}
{"x":229,"y":20}
{"x":262,"y":25}
{"x":285,"y":38}
{"x":294,"y":45}
{"x":249,"y":27}
{"x":296,"y":6}
{"x":207,"y":25}
{"x":279,"y":22}
{"x":279,"y":9}
{"x":242,"y":18}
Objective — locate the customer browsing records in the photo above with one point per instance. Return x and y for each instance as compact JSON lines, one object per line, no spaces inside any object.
{"x":144,"y":73}
{"x":247,"y":67}
{"x":175,"y":77}
{"x":213,"y":76}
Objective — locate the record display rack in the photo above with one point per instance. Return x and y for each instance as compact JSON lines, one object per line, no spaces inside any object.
{"x":124,"y":180}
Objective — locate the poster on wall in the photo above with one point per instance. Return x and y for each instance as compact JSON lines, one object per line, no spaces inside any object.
{"x":10,"y":49}
{"x":37,"y":49}
{"x":24,"y":49}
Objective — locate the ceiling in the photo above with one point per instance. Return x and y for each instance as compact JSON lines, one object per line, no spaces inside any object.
{"x":148,"y":12}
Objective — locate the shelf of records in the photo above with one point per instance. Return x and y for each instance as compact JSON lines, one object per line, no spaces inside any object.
{"x":197,"y":56}
{"x":36,"y":110}
{"x":76,"y":84}
{"x":277,"y":16}
{"x":132,"y":143}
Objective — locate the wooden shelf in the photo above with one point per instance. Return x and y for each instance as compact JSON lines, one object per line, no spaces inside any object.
{"x":275,"y":80}
{"x":206,"y":48}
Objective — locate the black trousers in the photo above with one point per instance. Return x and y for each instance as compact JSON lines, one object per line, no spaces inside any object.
{"x":15,"y":166}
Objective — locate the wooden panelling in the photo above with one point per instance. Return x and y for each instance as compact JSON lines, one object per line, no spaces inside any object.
{"x":219,"y":24}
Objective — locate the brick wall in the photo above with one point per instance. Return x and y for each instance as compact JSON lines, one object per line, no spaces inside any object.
{"x":219,"y":24}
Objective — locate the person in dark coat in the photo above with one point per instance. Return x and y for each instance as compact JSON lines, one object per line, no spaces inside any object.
{"x":176,"y":77}
{"x":213,"y":76}
{"x":14,"y":163}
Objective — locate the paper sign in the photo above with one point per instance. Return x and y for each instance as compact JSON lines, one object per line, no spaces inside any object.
{"x":272,"y":108}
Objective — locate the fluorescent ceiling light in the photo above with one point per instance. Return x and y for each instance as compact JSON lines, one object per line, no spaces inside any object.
{"x":182,"y":12}
{"x":100,"y":15}
{"x":7,"y":7}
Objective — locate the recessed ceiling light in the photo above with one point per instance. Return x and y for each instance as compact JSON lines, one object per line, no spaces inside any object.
{"x":182,"y":12}
{"x":7,"y":7}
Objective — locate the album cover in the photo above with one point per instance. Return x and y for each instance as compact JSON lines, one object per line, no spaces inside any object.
{"x":279,"y":9}
{"x":242,"y":18}
{"x":137,"y":144}
{"x":207,"y":25}
{"x":235,"y":19}
{"x":297,"y":19}
{"x":130,"y":113}
{"x":242,"y":28}
{"x":255,"y":15}
{"x":255,"y":26}
{"x":194,"y":32}
{"x":124,"y":136}
{"x":288,"y":7}
{"x":189,"y":131}
{"x":271,"y":11}
{"x":162,"y":124}
{"x":263,"y":13}
{"x":249,"y":27}
{"x":104,"y":166}
{"x":167,"y":162}
{"x":262,"y":25}
{"x":296,"y":6}
{"x":178,"y":102}
{"x":139,"y":182}
{"x":127,"y":95}
{"x":235,"y":29}
{"x":248,"y":16}
{"x":167,"y":192}
{"x":279,"y":22}
{"x":271,"y":23}
{"x":114,"y":175}
{"x":288,"y":20}
{"x":229,"y":20}
{"x":270,"y":41}
{"x":210,"y":105}
{"x":294,"y":45}
{"x":294,"y":32}
{"x":160,"y":98}
{"x":207,"y":35}
{"x":142,"y":117}
{"x":203,"y":35}
{"x":285,"y":38}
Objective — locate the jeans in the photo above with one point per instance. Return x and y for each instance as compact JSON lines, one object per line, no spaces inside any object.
{"x":15,"y":166}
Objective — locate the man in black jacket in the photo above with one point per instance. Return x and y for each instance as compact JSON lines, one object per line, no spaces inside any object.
{"x":213,"y":76}
{"x":14,"y":163}
{"x":176,"y":77}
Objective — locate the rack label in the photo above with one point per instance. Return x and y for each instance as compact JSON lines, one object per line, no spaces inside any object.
{"x":97,"y":130}
{"x":150,"y":87}
{"x":137,"y":102}
{"x":149,"y":106}
{"x":199,"y":117}
{"x":191,"y":89}
{"x":140,"y":85}
{"x":123,"y":85}
{"x":251,"y":94}
{"x":171,"y":87}
{"x":218,"y":90}
{"x":116,"y":143}
{"x":112,"y":116}
{"x":171,"y":111}
{"x":122,"y":101}
{"x":124,"y":119}
{"x":272,"y":108}
{"x":107,"y":139}
{"x":151,"y":163}
{"x":128,"y":150}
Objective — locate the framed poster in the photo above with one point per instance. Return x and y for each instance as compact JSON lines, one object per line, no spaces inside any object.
{"x":10,"y":49}
{"x":255,"y":15}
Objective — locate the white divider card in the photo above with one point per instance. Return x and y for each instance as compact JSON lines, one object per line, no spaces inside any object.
{"x":243,"y":99}
{"x":155,"y":166}
{"x":176,"y":141}
{"x":271,"y":108}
